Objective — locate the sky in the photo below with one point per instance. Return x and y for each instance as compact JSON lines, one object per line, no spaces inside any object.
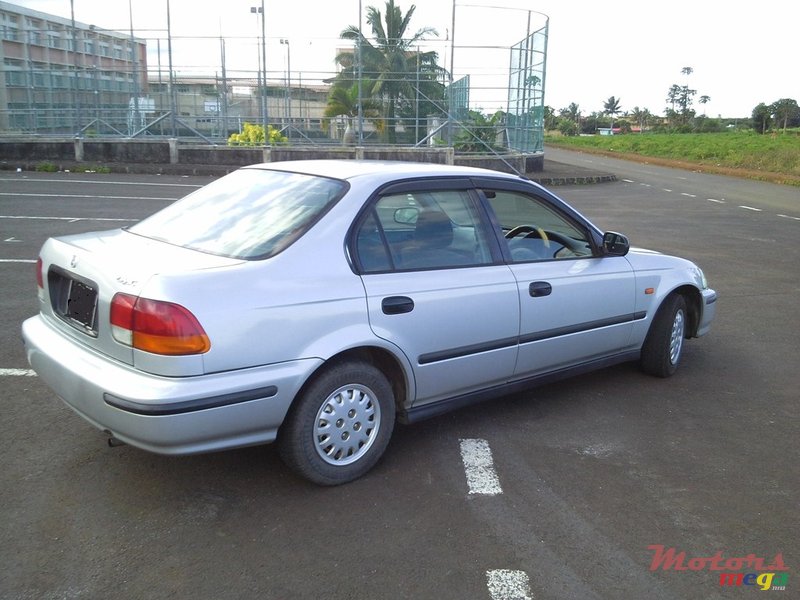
{"x":740,"y":54}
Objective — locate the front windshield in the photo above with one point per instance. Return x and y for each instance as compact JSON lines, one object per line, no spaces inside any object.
{"x":251,"y":213}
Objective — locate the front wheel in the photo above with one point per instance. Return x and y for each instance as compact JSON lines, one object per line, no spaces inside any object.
{"x":340,"y":425}
{"x":661,"y":352}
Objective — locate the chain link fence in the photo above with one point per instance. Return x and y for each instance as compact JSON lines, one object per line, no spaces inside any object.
{"x":477,"y":93}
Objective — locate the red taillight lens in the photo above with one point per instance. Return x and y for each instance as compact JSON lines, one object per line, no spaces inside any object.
{"x":156,"y":326}
{"x":39,"y":273}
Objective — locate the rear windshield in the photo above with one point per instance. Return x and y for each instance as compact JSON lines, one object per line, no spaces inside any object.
{"x":251,"y":213}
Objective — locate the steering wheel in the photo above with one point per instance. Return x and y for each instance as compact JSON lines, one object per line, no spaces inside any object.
{"x":567,"y":243}
{"x":529,"y":231}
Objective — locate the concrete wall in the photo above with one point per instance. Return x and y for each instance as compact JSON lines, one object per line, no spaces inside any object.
{"x":167,"y":156}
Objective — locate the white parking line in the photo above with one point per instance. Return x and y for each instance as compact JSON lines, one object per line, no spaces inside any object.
{"x":505,"y":584}
{"x":479,"y":468}
{"x":104,"y":197}
{"x":17,"y":260}
{"x":716,"y":201}
{"x":70,"y":219}
{"x":17,"y":373}
{"x":63,"y":181}
{"x":689,"y":195}
{"x":789,"y":217}
{"x":750,"y":208}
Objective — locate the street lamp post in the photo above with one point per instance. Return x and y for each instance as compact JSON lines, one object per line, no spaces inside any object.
{"x":288,"y":87}
{"x":262,"y":64}
{"x":256,"y":10}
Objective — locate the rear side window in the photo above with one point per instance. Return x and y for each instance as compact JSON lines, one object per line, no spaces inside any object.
{"x":435,"y":229}
{"x":248,"y":214}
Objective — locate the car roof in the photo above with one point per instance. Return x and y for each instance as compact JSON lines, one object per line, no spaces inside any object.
{"x":378,"y":169}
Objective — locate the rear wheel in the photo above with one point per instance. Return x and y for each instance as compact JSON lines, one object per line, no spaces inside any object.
{"x":661,"y":352}
{"x":340,"y":425}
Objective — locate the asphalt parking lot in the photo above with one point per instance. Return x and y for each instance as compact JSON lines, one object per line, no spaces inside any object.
{"x":579,"y":489}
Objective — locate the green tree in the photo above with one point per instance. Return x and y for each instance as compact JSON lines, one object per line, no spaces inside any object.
{"x":785,"y":110}
{"x":392,"y":65}
{"x":551,"y":121}
{"x":612,"y":108}
{"x":573,"y":113}
{"x":343,"y":100}
{"x":479,"y":132}
{"x":762,"y":117}
{"x":642,"y":116}
{"x":705,"y":100}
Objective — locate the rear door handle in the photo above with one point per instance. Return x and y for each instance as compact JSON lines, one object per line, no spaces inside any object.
{"x":397,"y":305}
{"x":540,"y":288}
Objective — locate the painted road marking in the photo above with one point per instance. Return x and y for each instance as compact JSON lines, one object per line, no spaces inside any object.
{"x":505,"y":584}
{"x":17,"y":373}
{"x":628,"y":180}
{"x":689,"y":195}
{"x":789,"y":217}
{"x":85,"y":196}
{"x":716,"y":201}
{"x":479,"y":468}
{"x":62,"y":181}
{"x":69,"y":219}
{"x":750,"y":208}
{"x":17,"y":260}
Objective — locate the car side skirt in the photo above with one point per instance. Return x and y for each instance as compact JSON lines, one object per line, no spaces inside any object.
{"x":426,"y":411}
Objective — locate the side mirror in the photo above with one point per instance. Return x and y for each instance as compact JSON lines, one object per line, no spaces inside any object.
{"x":406,"y":216}
{"x":615,"y":244}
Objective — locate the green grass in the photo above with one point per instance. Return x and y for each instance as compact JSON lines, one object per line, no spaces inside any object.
{"x":772,"y":157}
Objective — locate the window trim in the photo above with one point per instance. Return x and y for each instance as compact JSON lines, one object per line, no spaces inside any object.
{"x":540,"y":194}
{"x":422,"y":184}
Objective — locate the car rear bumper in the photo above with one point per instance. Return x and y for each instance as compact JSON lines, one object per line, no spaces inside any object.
{"x":167,"y":415}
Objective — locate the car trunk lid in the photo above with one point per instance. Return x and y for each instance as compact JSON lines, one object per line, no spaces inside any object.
{"x":81,"y":274}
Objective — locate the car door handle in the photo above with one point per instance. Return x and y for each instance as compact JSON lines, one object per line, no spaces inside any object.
{"x":540,"y":288}
{"x":397,"y":305}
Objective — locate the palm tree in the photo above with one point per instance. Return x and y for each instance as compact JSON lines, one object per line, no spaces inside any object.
{"x":641,"y":116}
{"x":391,"y":62}
{"x":611,"y":107}
{"x":574,"y":113}
{"x":343,"y":101}
{"x":704,"y":100}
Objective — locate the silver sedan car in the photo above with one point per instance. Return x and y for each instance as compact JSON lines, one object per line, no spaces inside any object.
{"x":315,"y":303}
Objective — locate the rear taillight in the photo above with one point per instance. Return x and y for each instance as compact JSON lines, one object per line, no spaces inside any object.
{"x":40,"y":278}
{"x":156,"y":326}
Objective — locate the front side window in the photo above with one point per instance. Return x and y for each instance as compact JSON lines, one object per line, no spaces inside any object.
{"x":422,"y":230}
{"x":533,"y":230}
{"x":249,"y":214}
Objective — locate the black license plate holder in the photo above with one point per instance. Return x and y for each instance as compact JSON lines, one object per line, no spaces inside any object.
{"x":81,"y":304}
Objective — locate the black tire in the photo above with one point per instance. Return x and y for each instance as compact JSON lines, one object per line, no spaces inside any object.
{"x":663,"y":347}
{"x":340,"y":425}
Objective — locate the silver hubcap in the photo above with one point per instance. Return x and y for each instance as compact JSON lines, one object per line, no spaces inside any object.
{"x":347,"y":424}
{"x":676,"y":337}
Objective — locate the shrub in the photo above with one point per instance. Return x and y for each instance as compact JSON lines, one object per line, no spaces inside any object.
{"x":253,"y":135}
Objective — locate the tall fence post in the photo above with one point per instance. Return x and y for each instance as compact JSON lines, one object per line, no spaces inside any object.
{"x":78,"y":149}
{"x":173,"y":151}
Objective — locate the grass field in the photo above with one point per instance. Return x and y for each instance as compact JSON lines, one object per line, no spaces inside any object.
{"x":767,"y":157}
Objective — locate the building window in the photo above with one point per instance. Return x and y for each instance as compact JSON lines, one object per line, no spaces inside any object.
{"x":9,"y":27}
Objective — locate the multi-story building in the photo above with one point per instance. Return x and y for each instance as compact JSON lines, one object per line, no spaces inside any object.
{"x":68,"y":78}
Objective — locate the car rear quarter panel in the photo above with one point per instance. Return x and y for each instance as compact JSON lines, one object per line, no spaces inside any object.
{"x":302,"y":303}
